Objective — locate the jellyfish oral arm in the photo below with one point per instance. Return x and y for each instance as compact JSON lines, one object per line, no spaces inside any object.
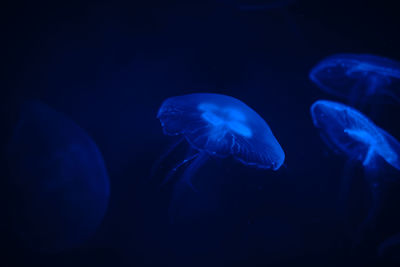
{"x":361,"y":136}
{"x":368,"y":140}
{"x":368,"y":158}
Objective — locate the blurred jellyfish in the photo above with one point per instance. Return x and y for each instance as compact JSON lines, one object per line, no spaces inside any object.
{"x":60,"y":182}
{"x":359,"y":78}
{"x":347,"y":131}
{"x":216,"y":125}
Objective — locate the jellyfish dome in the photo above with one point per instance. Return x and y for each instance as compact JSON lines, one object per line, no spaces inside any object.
{"x":354,"y":76}
{"x":59,"y":180}
{"x":348,"y":131}
{"x":222,"y":126}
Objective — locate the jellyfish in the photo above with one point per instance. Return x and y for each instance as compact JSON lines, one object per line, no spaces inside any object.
{"x":59,"y":180}
{"x":220,"y":126}
{"x":350,"y":133}
{"x":359,"y":78}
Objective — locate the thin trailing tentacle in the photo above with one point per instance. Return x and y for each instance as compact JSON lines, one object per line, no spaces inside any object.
{"x":172,"y":172}
{"x":194,"y":166}
{"x":376,"y":190}
{"x":163,"y":156}
{"x":369,"y":221}
{"x":184,"y":183}
{"x":345,"y":187}
{"x":357,"y":95}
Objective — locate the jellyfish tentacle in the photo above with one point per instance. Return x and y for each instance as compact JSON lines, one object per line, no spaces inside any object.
{"x":356,"y":93}
{"x":184,"y":183}
{"x":371,"y":176}
{"x":163,"y":156}
{"x":172,"y":172}
{"x":202,"y":157}
{"x":345,"y":186}
{"x":369,"y":221}
{"x":368,"y":158}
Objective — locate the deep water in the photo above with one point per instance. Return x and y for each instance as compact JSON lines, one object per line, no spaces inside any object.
{"x":108,"y":66}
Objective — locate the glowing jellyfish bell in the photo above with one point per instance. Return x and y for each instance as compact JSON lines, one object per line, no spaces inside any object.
{"x":59,"y":180}
{"x":220,"y":126}
{"x":349,"y":132}
{"x":358,"y":77}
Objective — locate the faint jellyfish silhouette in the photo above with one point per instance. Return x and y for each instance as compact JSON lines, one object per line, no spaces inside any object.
{"x":347,"y":131}
{"x":359,"y":78}
{"x":60,"y":182}
{"x":217,"y":125}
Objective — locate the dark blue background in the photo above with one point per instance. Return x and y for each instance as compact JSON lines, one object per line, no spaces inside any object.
{"x":109,"y":66}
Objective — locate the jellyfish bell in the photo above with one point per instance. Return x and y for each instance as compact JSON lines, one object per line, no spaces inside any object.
{"x":59,"y":179}
{"x":352,"y":134}
{"x":217,"y":125}
{"x":358,"y":77}
{"x":220,"y":125}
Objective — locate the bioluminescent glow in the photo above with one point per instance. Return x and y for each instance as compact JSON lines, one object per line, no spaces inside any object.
{"x":357,"y":76}
{"x":351,"y":133}
{"x":60,"y":180}
{"x":221,"y":126}
{"x":348,"y":131}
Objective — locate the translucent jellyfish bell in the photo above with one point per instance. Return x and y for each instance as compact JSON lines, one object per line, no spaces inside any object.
{"x":221,"y":126}
{"x":348,"y":131}
{"x":60,"y":183}
{"x":357,"y":77}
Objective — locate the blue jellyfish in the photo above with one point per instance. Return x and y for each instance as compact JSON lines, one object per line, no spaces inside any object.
{"x":59,"y":179}
{"x":347,"y":131}
{"x":359,"y":78}
{"x":217,"y":125}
